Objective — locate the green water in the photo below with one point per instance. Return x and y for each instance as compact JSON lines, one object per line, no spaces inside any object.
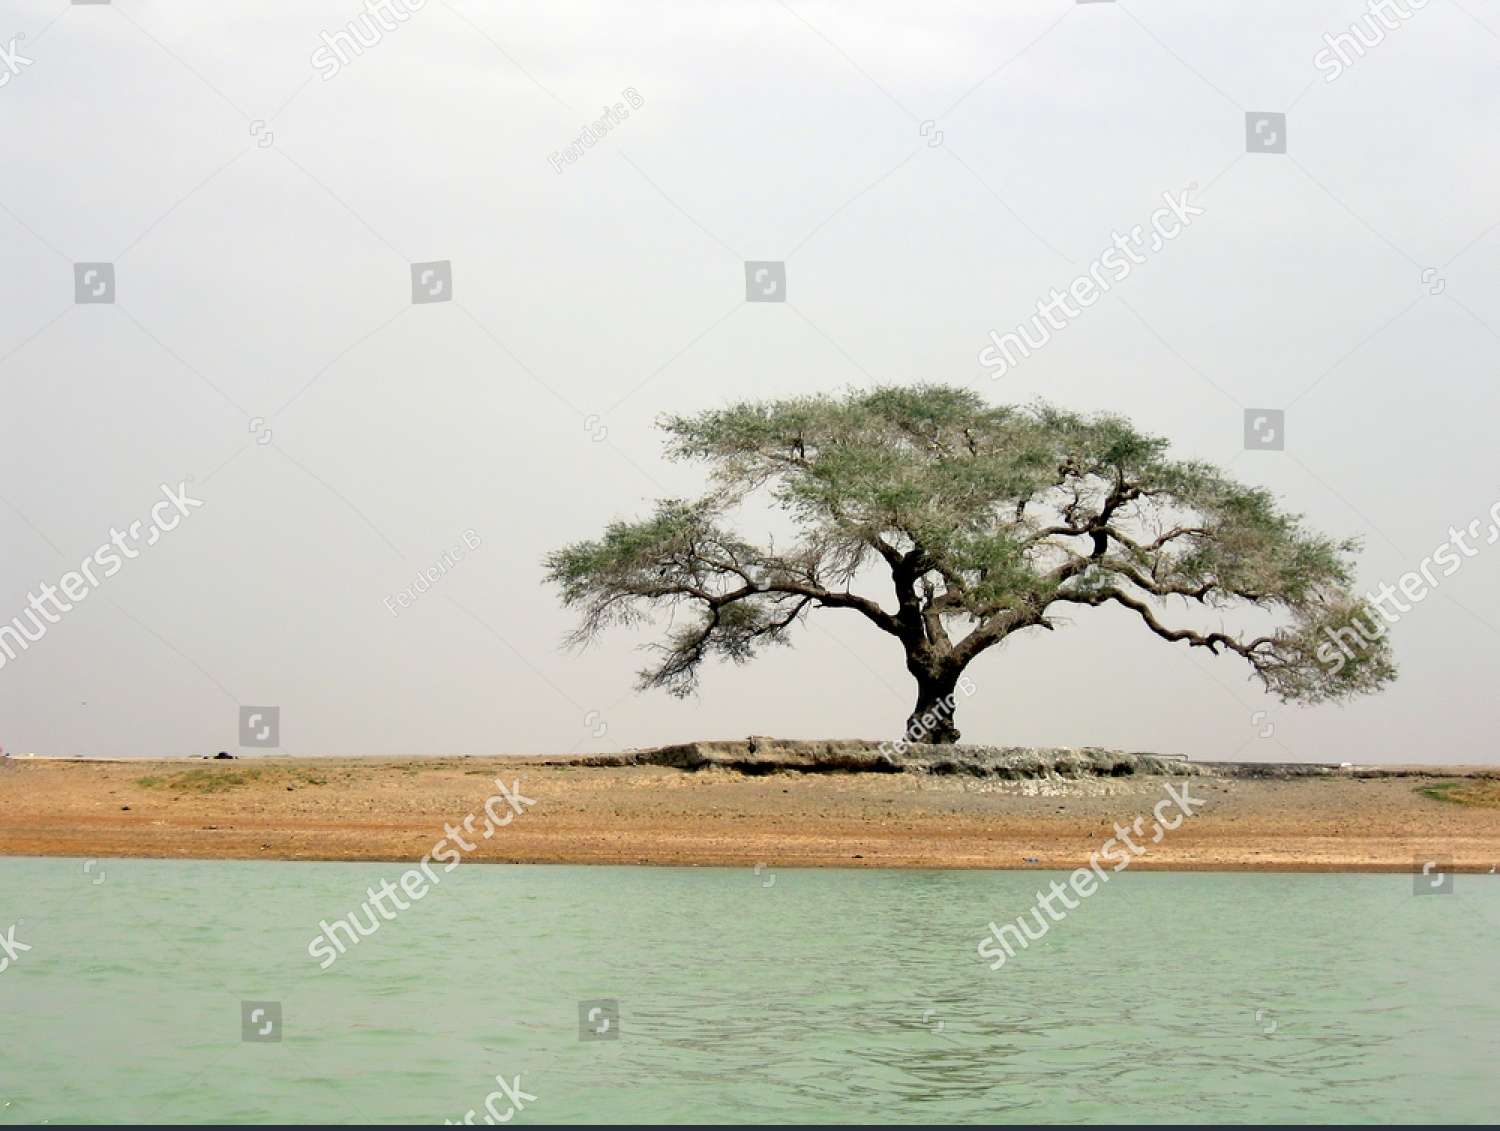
{"x":787,"y":995}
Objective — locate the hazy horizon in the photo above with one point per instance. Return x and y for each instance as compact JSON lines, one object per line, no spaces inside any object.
{"x":925,"y":175}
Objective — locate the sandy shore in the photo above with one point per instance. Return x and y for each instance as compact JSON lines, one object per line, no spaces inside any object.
{"x":395,"y":809}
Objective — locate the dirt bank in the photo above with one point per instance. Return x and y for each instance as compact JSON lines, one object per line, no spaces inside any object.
{"x":738,"y":806}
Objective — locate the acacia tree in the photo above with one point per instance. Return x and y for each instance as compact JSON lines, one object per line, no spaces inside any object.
{"x":988,"y":521}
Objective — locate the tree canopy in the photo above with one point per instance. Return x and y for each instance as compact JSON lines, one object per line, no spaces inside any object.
{"x":989,"y":520}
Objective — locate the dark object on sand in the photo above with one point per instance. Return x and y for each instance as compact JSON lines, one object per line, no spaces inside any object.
{"x":223,"y":754}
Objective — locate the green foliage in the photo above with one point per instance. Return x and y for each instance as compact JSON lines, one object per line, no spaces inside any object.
{"x":1482,"y":793}
{"x":989,"y":519}
{"x":216,"y":779}
{"x":201,"y":780}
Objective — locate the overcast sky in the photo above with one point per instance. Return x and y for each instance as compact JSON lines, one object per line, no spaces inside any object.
{"x":926,"y":173}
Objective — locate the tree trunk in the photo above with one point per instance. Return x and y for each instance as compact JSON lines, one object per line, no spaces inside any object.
{"x":937,"y":703}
